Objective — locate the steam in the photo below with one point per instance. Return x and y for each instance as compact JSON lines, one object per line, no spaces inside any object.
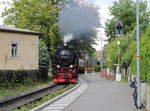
{"x":78,"y":17}
{"x":68,"y":37}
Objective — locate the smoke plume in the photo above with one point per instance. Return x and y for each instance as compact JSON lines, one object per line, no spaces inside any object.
{"x":78,"y":17}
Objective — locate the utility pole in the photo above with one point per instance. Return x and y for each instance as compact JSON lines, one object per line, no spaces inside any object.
{"x":138,"y":55}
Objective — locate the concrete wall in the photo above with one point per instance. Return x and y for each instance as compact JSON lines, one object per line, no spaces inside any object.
{"x":148,"y":97}
{"x":28,"y":49}
{"x":145,"y":95}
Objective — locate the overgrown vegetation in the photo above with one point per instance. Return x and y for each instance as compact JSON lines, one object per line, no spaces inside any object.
{"x":125,"y":11}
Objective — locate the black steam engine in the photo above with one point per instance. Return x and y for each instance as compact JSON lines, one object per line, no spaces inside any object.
{"x":65,"y":64}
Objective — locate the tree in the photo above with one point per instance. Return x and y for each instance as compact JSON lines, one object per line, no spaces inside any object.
{"x":110,"y":52}
{"x":83,"y":45}
{"x":44,"y":58}
{"x":36,"y":15}
{"x":125,"y":11}
{"x":127,"y":50}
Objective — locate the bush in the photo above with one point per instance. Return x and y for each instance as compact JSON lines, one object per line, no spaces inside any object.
{"x":144,"y":60}
{"x":25,"y":77}
{"x":97,"y":68}
{"x":44,"y":58}
{"x":8,"y":77}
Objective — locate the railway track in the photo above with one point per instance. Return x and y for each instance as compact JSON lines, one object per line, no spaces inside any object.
{"x":13,"y":102}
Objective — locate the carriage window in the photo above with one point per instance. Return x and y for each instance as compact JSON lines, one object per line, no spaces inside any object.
{"x":14,"y":50}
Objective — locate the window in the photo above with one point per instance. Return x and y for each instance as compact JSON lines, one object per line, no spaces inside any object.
{"x":14,"y":50}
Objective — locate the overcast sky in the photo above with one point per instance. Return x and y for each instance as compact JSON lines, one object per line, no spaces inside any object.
{"x":104,"y":14}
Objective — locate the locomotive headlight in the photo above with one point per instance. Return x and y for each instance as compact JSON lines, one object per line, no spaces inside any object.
{"x":71,"y":66}
{"x":58,"y":66}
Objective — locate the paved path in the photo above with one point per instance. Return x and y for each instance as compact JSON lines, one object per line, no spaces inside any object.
{"x":103,"y":95}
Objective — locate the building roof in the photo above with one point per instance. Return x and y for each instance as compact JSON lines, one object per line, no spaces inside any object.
{"x":17,"y":30}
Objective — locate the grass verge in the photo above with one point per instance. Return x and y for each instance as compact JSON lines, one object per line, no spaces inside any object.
{"x":124,"y":81}
{"x":44,"y":99}
{"x":15,"y":89}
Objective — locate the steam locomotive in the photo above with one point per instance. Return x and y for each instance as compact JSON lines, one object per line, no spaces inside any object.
{"x":67,"y":64}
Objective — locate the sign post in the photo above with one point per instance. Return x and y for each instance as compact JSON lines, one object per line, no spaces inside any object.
{"x":138,"y":55}
{"x":119,"y":34}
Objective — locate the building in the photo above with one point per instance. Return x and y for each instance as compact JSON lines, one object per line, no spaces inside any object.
{"x":19,"y":49}
{"x":19,"y":55}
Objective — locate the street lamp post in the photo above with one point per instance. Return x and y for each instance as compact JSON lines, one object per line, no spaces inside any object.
{"x":138,"y":55}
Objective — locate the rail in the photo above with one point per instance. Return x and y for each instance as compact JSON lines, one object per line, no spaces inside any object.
{"x":13,"y":102}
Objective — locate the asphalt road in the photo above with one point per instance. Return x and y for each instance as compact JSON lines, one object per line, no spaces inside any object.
{"x":103,"y":95}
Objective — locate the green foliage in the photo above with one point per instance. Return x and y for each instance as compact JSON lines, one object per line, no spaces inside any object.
{"x":15,"y":88}
{"x":125,"y":11}
{"x":145,"y":54}
{"x":127,"y":49}
{"x":56,"y":39}
{"x":36,"y":15}
{"x":97,"y":68}
{"x":111,"y":54}
{"x":83,"y":44}
{"x":128,"y":53}
{"x":44,"y":58}
{"x":86,"y":45}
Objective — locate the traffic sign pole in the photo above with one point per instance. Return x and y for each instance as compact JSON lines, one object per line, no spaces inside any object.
{"x":119,"y":34}
{"x":138,"y":54}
